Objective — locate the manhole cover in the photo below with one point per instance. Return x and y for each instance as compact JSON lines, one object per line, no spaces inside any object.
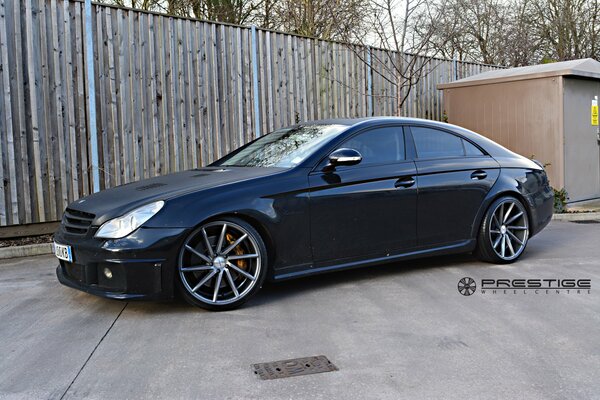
{"x":587,"y":221}
{"x":293,"y":367}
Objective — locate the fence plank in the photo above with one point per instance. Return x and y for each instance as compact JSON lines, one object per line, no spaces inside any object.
{"x":248,"y":129}
{"x":213,"y":92}
{"x":80,"y":115}
{"x":204,"y":130}
{"x":46,"y":135}
{"x":33,"y":109}
{"x":191,"y":99}
{"x":68,"y":79}
{"x":5,"y":126}
{"x":19,"y":119}
{"x":58,"y":145}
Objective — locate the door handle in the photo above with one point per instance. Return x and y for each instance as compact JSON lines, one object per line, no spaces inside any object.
{"x":406,"y":182}
{"x":479,"y":174}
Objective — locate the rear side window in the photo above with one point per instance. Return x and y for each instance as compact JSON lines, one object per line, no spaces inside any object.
{"x":471,"y":150}
{"x":433,"y":143}
{"x":379,"y":145}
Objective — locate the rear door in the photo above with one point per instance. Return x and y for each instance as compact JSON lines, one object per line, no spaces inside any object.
{"x":368,"y":209}
{"x":454,"y":177}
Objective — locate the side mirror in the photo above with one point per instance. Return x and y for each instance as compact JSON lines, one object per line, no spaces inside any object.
{"x":344,"y":157}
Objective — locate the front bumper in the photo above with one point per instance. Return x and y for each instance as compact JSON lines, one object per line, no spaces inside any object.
{"x":142,"y":265}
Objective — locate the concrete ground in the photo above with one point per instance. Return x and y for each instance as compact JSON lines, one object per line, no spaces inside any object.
{"x":394,"y":331}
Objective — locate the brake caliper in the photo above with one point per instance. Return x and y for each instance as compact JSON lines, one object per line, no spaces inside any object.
{"x":238,"y":250}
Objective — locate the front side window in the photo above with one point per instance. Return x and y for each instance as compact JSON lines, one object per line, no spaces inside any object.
{"x":378,"y":146}
{"x":283,"y":148}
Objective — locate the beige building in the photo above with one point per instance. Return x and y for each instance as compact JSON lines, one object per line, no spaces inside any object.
{"x":542,"y":111}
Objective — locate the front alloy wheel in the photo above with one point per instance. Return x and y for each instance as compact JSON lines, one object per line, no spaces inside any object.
{"x":504,"y":232}
{"x":221,"y":264}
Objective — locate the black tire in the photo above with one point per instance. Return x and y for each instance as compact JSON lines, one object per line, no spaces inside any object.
{"x":497,"y":237}
{"x":253,"y":243}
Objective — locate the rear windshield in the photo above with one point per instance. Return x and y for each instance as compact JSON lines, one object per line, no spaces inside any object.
{"x":284,"y":148}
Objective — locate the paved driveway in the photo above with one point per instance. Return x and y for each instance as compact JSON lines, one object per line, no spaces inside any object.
{"x":394,"y":331}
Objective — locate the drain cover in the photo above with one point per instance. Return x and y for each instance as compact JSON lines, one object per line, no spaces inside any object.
{"x":293,"y":367}
{"x":587,"y":221}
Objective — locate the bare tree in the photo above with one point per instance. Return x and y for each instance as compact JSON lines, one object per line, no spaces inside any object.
{"x":230,"y":11}
{"x":499,"y":32}
{"x":568,"y":28}
{"x":449,"y":37}
{"x":400,"y":27}
{"x":146,"y":5}
{"x":485,"y":21}
{"x":265,"y":15}
{"x":323,"y":19}
{"x":524,"y":45}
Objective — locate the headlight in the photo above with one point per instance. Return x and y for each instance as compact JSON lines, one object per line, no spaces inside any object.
{"x":122,"y":226}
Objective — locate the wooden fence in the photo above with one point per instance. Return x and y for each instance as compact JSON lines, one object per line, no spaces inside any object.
{"x":171,"y":94}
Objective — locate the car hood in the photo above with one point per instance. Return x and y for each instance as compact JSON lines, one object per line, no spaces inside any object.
{"x":119,"y":200}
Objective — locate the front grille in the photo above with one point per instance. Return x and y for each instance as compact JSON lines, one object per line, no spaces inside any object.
{"x":77,"y":222}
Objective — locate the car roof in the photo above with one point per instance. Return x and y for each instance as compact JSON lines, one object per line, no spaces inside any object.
{"x":356,"y":121}
{"x":373,"y":120}
{"x":493,"y":148}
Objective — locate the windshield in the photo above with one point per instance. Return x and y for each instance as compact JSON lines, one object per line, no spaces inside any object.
{"x":283,"y":148}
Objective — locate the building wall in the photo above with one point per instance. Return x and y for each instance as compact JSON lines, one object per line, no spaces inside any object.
{"x":524,"y":116}
{"x":582,"y":151}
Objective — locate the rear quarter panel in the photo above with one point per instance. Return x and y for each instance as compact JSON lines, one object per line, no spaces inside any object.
{"x":531,"y":186}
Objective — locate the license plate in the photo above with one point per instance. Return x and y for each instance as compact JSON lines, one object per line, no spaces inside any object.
{"x":63,"y":252}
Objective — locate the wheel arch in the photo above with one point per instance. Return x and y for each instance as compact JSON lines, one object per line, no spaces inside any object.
{"x":256,"y":224}
{"x":491,"y":199}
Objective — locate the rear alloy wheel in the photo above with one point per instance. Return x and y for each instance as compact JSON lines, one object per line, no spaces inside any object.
{"x":222,"y":264}
{"x":504,"y":232}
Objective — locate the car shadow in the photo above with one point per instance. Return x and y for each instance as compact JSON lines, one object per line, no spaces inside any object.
{"x":154,"y":308}
{"x":274,"y":291}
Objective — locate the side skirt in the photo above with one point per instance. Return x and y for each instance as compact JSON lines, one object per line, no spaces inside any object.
{"x":453,"y":248}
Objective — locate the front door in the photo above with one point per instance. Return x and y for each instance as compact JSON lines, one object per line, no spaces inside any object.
{"x":369,"y":209}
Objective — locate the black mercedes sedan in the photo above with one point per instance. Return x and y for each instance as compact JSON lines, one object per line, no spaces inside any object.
{"x":312,"y":198}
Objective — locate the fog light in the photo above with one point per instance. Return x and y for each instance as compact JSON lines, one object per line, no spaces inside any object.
{"x":108,"y":273}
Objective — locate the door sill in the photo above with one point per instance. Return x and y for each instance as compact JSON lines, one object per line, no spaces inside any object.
{"x":456,"y":247}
